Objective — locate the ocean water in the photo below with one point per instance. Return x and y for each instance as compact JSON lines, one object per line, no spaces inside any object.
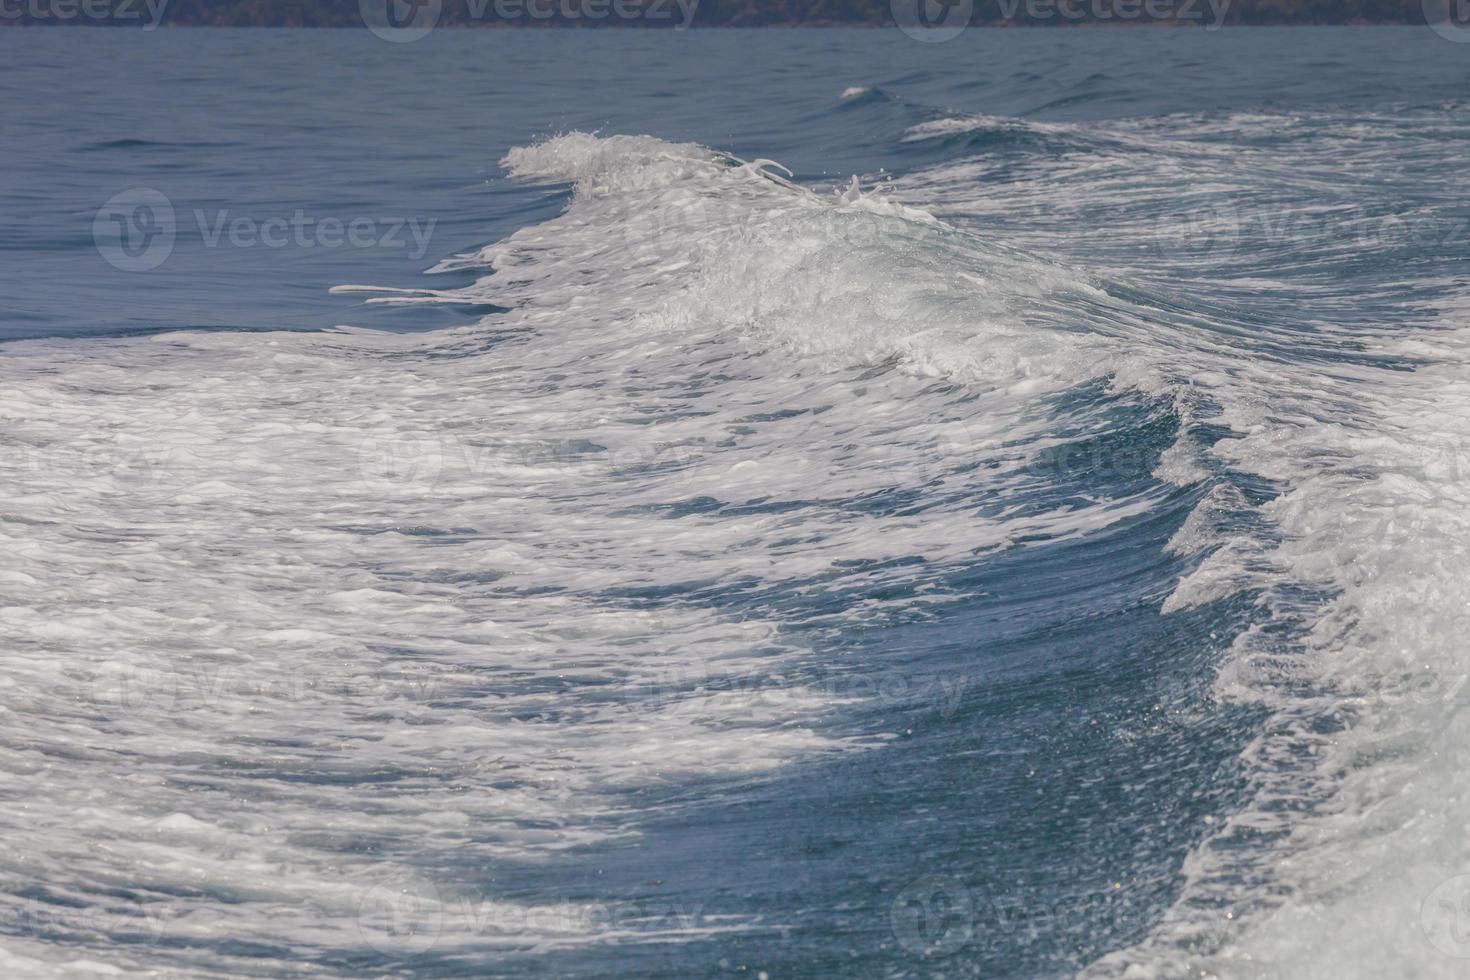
{"x":786,"y":504}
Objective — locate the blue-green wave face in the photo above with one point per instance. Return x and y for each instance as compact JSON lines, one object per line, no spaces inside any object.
{"x":789,"y":505}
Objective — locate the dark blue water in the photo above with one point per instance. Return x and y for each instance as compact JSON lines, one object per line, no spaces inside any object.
{"x":1001,"y":712}
{"x":258,"y":124}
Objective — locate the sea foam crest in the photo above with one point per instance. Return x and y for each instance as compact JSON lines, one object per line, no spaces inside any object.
{"x":678,"y":239}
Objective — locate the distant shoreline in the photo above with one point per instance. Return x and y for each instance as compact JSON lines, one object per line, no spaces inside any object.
{"x":915,"y":16}
{"x":773,"y":25}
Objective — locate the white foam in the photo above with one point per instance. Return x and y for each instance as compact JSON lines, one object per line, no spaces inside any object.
{"x":1346,"y":854}
{"x":285,"y":613}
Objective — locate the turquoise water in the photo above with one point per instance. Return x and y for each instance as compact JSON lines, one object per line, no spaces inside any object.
{"x":1045,"y":558}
